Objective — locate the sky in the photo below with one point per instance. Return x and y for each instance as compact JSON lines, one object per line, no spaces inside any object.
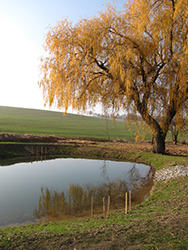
{"x":23,"y":26}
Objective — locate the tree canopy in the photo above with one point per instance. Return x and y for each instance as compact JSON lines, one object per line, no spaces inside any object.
{"x":135,"y":59}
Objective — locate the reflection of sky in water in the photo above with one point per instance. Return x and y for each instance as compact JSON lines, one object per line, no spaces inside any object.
{"x":20,"y":184}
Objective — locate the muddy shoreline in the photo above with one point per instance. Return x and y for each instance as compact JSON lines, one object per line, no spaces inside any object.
{"x":30,"y":138}
{"x":27,"y":145}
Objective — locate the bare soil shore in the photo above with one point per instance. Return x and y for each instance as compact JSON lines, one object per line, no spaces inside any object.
{"x":123,"y":146}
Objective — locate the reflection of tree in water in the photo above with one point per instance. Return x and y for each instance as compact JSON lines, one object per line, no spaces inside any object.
{"x":114,"y":189}
{"x":133,"y":178}
{"x":134,"y":174}
{"x":140,"y":186}
{"x":77,"y":201}
{"x":104,"y":171}
{"x":134,"y":181}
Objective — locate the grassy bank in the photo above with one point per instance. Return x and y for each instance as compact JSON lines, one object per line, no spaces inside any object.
{"x":158,"y":223}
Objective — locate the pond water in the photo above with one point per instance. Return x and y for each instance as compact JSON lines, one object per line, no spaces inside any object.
{"x":32,"y":190}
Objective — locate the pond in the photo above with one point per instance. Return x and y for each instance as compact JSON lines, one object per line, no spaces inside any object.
{"x":62,"y":188}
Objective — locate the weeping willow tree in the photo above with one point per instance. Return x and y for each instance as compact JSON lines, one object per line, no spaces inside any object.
{"x":135,"y":59}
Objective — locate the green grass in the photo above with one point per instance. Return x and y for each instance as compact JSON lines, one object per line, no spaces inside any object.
{"x":160,"y":161}
{"x":30,"y":121}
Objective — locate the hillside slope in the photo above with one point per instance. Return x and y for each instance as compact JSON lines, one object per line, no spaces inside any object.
{"x":31,"y":121}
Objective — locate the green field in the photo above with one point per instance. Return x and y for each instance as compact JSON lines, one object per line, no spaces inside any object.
{"x":31,"y":121}
{"x":41,"y":122}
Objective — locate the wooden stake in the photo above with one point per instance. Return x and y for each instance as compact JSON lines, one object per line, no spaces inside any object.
{"x":126,"y":203}
{"x":108,"y":207}
{"x":104,"y":211}
{"x":91,"y":207}
{"x":129,"y":200}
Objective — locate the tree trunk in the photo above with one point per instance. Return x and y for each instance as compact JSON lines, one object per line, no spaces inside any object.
{"x":159,"y":143}
{"x":158,"y":132}
{"x":176,"y":138}
{"x":174,"y":132}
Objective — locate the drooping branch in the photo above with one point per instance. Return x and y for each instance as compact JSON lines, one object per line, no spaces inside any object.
{"x":135,"y":44}
{"x":103,"y":67}
{"x":86,"y":86}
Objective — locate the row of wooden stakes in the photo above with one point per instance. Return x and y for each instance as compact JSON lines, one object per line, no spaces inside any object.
{"x":106,"y":212}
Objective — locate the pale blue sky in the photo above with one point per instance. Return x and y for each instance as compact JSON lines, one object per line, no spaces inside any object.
{"x":23,"y":25}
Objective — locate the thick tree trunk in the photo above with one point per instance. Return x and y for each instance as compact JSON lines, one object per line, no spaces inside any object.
{"x":158,"y":135}
{"x":158,"y":132}
{"x":159,"y":143}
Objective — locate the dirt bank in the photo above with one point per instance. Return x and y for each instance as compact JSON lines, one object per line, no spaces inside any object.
{"x":106,"y":145}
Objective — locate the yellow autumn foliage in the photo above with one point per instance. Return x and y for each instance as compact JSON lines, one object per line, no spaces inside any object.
{"x":134,"y":59}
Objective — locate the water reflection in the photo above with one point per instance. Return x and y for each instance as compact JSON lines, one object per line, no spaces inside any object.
{"x":67,"y":187}
{"x":76,"y":202}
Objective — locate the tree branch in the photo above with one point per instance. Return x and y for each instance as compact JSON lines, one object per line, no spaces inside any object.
{"x":86,"y":86}
{"x":103,"y":67}
{"x":142,"y":109}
